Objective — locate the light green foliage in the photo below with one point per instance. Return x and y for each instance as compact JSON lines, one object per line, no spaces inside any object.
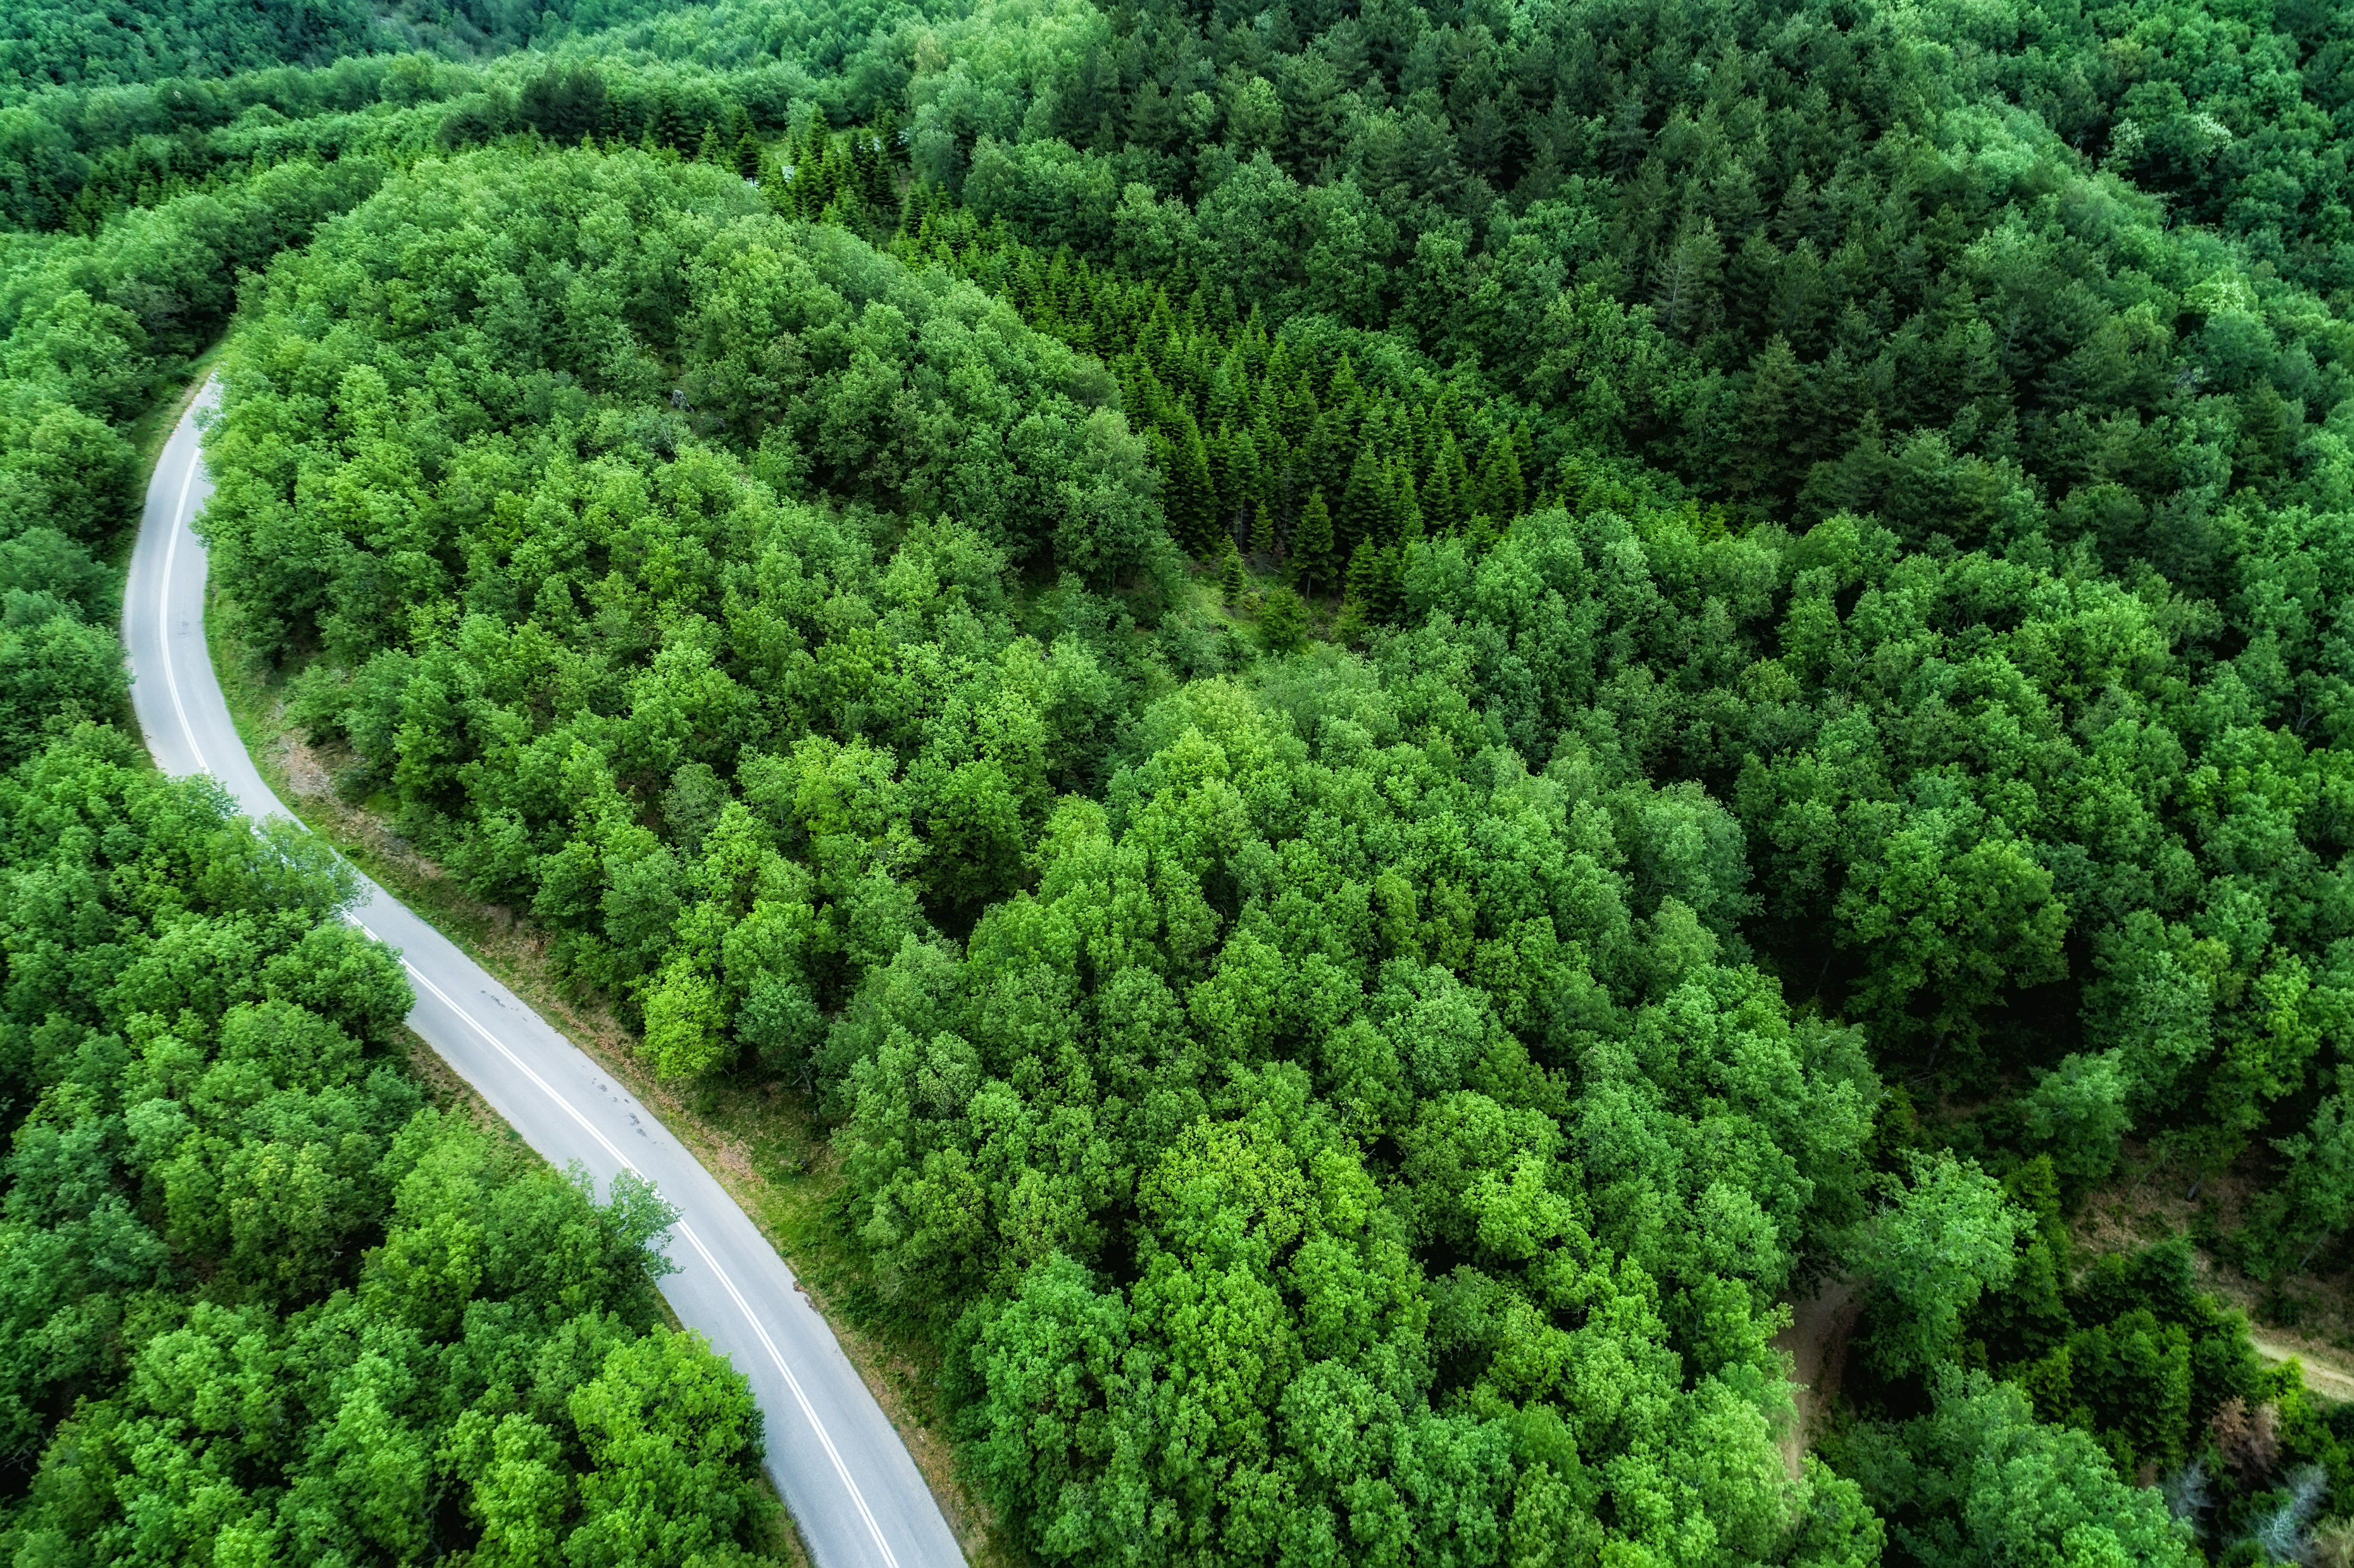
{"x":1980,"y":1480}
{"x":1973,"y":797}
{"x":183,"y":42}
{"x":783,"y":358}
{"x":256,"y":1302}
{"x":57,"y":671}
{"x":1832,"y":518}
{"x":1948,"y":1237}
{"x":669,"y":1428}
{"x":683,"y":622}
{"x":1264,"y":958}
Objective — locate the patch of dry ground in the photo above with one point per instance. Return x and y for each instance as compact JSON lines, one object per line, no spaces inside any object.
{"x":1816,"y":1342}
{"x":2309,"y":1318}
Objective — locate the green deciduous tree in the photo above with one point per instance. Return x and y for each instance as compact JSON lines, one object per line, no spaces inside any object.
{"x":1948,"y":1237}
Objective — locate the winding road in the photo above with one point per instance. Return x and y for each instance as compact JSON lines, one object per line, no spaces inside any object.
{"x":857,"y":1496}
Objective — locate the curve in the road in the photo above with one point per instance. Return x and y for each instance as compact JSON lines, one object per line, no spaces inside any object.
{"x":852,"y":1489}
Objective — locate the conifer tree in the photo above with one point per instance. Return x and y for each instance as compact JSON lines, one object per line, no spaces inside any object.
{"x":1364,"y":504}
{"x":1263,"y":541}
{"x":1297,"y":411}
{"x":1362,"y":585}
{"x":1762,"y":460}
{"x":1503,"y":494}
{"x":1230,"y":391}
{"x":1268,"y":454}
{"x":1228,"y":476}
{"x":1344,"y":394}
{"x":1447,"y":503}
{"x":887,"y":159}
{"x":1230,"y":574}
{"x":1192,"y":499}
{"x":1282,"y":622}
{"x":1405,"y":506}
{"x":1311,"y":544}
{"x":1418,"y":441}
{"x":669,"y":122}
{"x":734,"y":125}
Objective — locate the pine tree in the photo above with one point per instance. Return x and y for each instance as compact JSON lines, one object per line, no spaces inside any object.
{"x":1230,"y":574}
{"x":1268,"y":456}
{"x":1263,"y":542}
{"x":1312,"y":543}
{"x":1192,"y":503}
{"x":1253,"y":341}
{"x":1282,"y":622}
{"x":1226,"y":476}
{"x":1503,"y":494}
{"x":1297,"y":411}
{"x":1363,"y":582}
{"x":669,"y":121}
{"x":1157,"y":341}
{"x":1448,"y":505}
{"x":1438,"y":504}
{"x":1326,"y":455}
{"x":888,"y":160}
{"x":1230,"y":391}
{"x":1140,"y":395}
{"x":1762,"y":461}
{"x":1254,"y":480}
{"x":1418,"y":446}
{"x":1406,"y":507}
{"x":871,"y":169}
{"x":1688,"y":280}
{"x":1345,"y":394}
{"x":1363,"y":503}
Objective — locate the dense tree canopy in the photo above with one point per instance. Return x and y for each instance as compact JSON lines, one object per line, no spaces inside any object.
{"x":289,"y":1311}
{"x":1756,"y":704}
{"x":262,"y":1303}
{"x":48,"y":42}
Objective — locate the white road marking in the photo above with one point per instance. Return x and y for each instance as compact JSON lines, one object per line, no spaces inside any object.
{"x":163,"y":617}
{"x":824,"y":1438}
{"x":794,"y":1383}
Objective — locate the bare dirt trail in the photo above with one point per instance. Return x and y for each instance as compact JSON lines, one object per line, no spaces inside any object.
{"x":1815,"y":1342}
{"x":2323,"y":1375}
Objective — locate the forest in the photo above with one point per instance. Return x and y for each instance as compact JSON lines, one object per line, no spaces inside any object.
{"x":1403,"y":713}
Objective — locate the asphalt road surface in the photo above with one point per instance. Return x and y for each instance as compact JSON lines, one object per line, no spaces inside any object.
{"x":845,"y":1474}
